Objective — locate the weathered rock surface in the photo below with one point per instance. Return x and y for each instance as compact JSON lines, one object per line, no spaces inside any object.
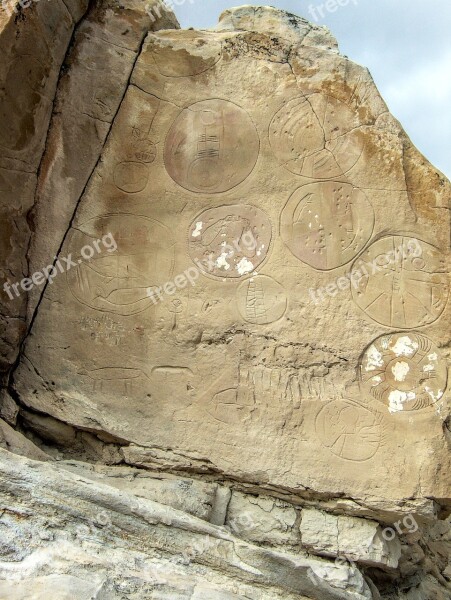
{"x":236,"y":385}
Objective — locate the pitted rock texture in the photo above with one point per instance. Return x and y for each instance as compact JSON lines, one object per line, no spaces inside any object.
{"x":237,"y":380}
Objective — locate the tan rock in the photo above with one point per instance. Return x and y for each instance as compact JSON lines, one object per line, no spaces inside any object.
{"x":249,"y":314}
{"x":349,"y":538}
{"x":65,"y":519}
{"x":32,"y":47}
{"x":181,"y":174}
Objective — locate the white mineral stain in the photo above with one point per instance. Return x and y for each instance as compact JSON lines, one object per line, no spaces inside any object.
{"x":259,"y":253}
{"x":244,"y":266}
{"x":385,"y":343}
{"x":373,"y":359}
{"x":397,"y":398}
{"x":400,"y":371}
{"x":428,"y":368}
{"x":221,"y":261}
{"x":404,"y":346}
{"x":196,"y":232}
{"x":433,"y":356}
{"x":435,"y":397}
{"x":377,"y":379}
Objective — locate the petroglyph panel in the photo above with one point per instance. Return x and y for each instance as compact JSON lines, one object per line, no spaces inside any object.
{"x":212,"y":146}
{"x":119,"y":282}
{"x":261,"y":300}
{"x":316,"y":137}
{"x":326,"y":225}
{"x":404,"y":371}
{"x":404,"y":283}
{"x":230,"y":241}
{"x":224,"y":171}
{"x":349,"y":430}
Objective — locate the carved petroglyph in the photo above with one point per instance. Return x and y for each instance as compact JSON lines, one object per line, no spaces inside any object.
{"x":114,"y":377}
{"x":212,"y":147}
{"x":141,"y":148}
{"x":404,"y":371}
{"x":316,"y":137}
{"x":409,"y":291}
{"x":327,"y":224}
{"x":119,"y":282}
{"x":131,"y":177}
{"x":136,"y":150}
{"x":349,"y":430}
{"x":103,"y":330}
{"x":261,"y":300}
{"x":236,"y":238}
{"x":257,"y":386}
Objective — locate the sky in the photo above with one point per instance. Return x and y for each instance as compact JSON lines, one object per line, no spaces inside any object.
{"x":406,"y":44}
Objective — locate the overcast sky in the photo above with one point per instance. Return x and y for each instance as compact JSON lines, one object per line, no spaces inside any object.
{"x":406,"y":44}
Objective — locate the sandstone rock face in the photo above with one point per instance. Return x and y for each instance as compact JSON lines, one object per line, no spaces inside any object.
{"x":235,"y":380}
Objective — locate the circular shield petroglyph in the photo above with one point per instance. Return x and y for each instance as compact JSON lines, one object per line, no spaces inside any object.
{"x":349,"y":430}
{"x":230,"y":241}
{"x":404,"y":371}
{"x":131,"y":177}
{"x":401,"y":282}
{"x":327,"y":224}
{"x":261,"y":300}
{"x":316,"y":137}
{"x":212,"y":147}
{"x":118,"y":282}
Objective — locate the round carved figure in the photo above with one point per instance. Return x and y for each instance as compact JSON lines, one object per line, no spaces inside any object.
{"x":401,"y":282}
{"x":349,"y":430}
{"x":404,"y":371}
{"x":261,"y":300}
{"x":120,"y":281}
{"x":131,"y":176}
{"x":327,"y":224}
{"x":316,"y":137}
{"x":211,"y":147}
{"x":230,"y":241}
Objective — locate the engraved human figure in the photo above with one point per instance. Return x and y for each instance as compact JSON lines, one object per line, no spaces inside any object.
{"x":255,"y":302}
{"x":204,"y":170}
